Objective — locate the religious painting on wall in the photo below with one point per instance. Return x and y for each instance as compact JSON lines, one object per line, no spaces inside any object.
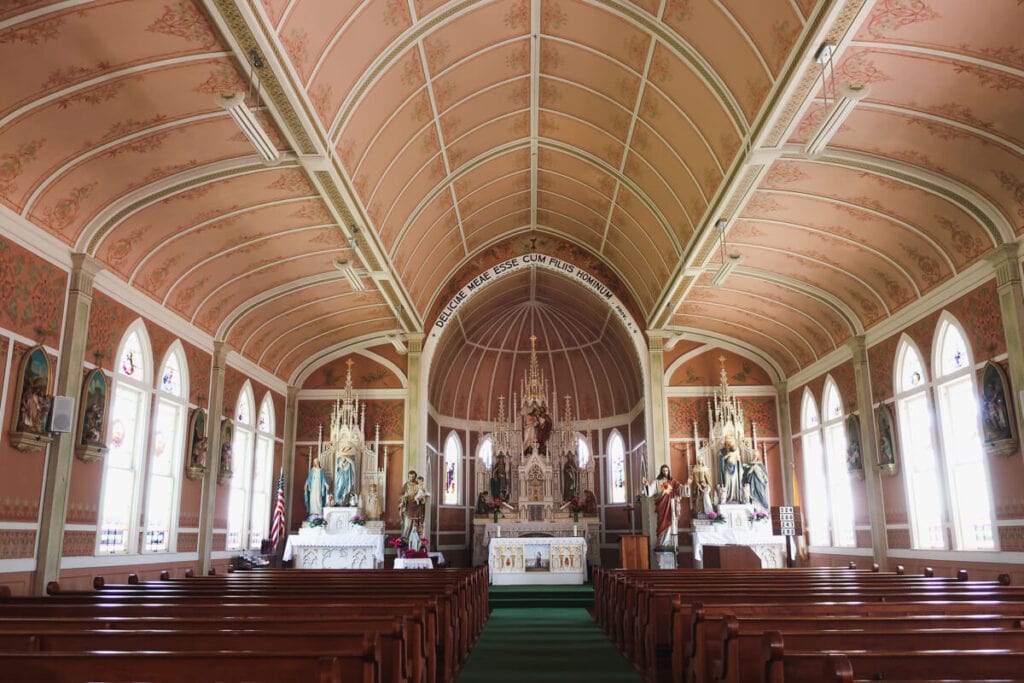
{"x":998,"y":428}
{"x":886,"y":443}
{"x":227,"y":436}
{"x":854,"y":460}
{"x":92,"y":417}
{"x":32,"y":402}
{"x":199,"y":445}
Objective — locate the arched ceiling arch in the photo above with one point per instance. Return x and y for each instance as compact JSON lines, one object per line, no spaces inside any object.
{"x":422,"y":139}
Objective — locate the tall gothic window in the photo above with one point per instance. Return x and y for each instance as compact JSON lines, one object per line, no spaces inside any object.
{"x":922,"y":477}
{"x":816,"y":487}
{"x":129,"y":419}
{"x":582,"y":452}
{"x":485,"y":452}
{"x":616,"y":468}
{"x":837,"y":475}
{"x":240,"y":494}
{"x":262,"y":474}
{"x":450,"y":472}
{"x":966,"y":474}
{"x":165,"y":452}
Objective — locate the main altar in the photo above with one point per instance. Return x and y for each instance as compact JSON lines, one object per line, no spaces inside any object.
{"x":730,"y":497}
{"x":539,"y":482}
{"x":344,"y":494}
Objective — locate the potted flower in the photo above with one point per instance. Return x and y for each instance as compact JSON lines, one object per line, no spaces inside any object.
{"x":575,"y":505}
{"x":421,"y":552}
{"x":400,"y":545}
{"x":317,"y":522}
{"x":357,"y":520}
{"x":494,"y":505}
{"x":758,"y":516}
{"x":716,"y":517}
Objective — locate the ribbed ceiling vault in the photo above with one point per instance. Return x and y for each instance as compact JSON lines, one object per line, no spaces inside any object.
{"x":419,"y":136}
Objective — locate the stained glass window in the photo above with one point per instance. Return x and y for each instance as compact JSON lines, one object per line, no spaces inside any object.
{"x":486,"y":452}
{"x":911,"y":370}
{"x":582,"y":452}
{"x":814,"y":489}
{"x":170,"y":378}
{"x":450,"y":474}
{"x":263,"y":479}
{"x":241,"y":485}
{"x":165,"y":458}
{"x":243,"y":413}
{"x":131,"y":362}
{"x":617,"y":468}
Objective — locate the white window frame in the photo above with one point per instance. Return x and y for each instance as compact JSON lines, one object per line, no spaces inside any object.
{"x":452,"y":438}
{"x":610,"y":495}
{"x":918,"y":453}
{"x":143,"y":388}
{"x":243,"y":449}
{"x":176,"y":445}
{"x":485,"y":462}
{"x":582,"y":446}
{"x":833,"y":437}
{"x":951,"y":423}
{"x":812,"y":452}
{"x":261,"y":497}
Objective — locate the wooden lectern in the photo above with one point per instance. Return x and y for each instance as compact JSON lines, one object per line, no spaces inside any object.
{"x":634,"y":552}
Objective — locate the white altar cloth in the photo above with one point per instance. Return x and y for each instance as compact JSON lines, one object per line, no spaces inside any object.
{"x":335,"y":551}
{"x":770,"y":549}
{"x":541,"y":560}
{"x":413,"y":563}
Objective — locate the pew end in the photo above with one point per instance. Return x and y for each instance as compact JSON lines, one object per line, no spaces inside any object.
{"x":98,"y":583}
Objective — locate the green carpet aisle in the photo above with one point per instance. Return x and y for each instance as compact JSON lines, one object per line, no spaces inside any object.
{"x":543,"y":638}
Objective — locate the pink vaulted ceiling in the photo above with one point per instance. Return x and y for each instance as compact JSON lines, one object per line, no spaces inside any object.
{"x":609,"y":125}
{"x":582,"y":349}
{"x":111,"y":140}
{"x":925,"y":178}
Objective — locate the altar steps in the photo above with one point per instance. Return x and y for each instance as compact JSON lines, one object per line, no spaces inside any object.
{"x":541,"y":597}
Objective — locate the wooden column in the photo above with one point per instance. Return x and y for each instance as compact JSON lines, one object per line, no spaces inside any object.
{"x":785,"y":442}
{"x":291,"y":406}
{"x":1006,"y":264}
{"x":869,"y":452}
{"x":61,"y":453}
{"x":415,"y":413}
{"x":208,"y":507}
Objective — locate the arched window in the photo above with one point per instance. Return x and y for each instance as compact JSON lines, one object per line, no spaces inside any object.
{"x":616,"y":468}
{"x":239,"y":496}
{"x":921,"y":476}
{"x":815,"y":481}
{"x":165,"y":452}
{"x":450,"y":472}
{"x":836,"y":473}
{"x":129,"y":419}
{"x":966,"y":473}
{"x":485,"y":452}
{"x":582,"y":452}
{"x":262,"y":474}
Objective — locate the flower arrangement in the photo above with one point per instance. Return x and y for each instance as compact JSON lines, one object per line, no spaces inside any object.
{"x":358,"y":519}
{"x":495,"y":503}
{"x":317,"y":521}
{"x":716,"y":517}
{"x":758,"y":516}
{"x":575,"y":504}
{"x":422,"y":552}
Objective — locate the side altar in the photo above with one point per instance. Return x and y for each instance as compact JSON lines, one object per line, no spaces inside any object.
{"x":539,"y":479}
{"x":344,"y":494}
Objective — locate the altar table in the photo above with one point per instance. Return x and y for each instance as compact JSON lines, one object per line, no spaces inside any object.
{"x":335,"y":551}
{"x":540,"y":560}
{"x":413,"y":563}
{"x":769,"y":549}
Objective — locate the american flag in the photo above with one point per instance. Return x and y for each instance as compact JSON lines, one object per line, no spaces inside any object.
{"x":277,"y":521}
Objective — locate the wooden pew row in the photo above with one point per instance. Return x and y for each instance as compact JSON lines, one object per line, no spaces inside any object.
{"x":728,"y":649}
{"x":693,"y":634}
{"x":780,"y":666}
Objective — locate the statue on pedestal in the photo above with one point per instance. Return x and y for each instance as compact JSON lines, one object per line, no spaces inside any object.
{"x":665,"y":492}
{"x":316,"y":490}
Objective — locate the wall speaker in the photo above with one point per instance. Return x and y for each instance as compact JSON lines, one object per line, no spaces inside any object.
{"x":62,"y":414}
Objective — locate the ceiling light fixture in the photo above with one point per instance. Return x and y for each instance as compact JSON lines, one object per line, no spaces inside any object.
{"x":351,"y":274}
{"x":842,"y":107}
{"x":729,"y":262}
{"x":235,"y":106}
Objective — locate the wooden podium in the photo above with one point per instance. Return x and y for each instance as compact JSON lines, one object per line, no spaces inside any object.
{"x":634,"y":552}
{"x":730,"y":557}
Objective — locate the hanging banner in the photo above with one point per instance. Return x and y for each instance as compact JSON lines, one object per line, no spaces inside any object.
{"x":529,"y":260}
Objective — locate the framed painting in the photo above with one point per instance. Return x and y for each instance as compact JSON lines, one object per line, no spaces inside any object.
{"x":198,"y":445}
{"x":854,"y":459}
{"x":998,"y":426}
{"x":537,"y":557}
{"x":227,"y":435}
{"x":92,"y":417}
{"x":32,"y":402}
{"x":887,"y":444}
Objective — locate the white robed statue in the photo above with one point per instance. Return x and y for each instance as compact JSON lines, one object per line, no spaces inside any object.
{"x":315,"y":492}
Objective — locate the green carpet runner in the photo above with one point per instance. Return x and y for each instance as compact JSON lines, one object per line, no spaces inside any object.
{"x":544,"y":633}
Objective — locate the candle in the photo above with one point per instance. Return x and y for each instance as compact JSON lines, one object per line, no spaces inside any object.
{"x":499,"y":531}
{"x":574,"y":530}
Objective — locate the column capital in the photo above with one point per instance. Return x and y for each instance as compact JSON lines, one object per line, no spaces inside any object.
{"x":656,"y":339}
{"x":84,"y":269}
{"x":291,"y":393}
{"x":1006,"y":264}
{"x":415,"y":341}
{"x":858,"y":347}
